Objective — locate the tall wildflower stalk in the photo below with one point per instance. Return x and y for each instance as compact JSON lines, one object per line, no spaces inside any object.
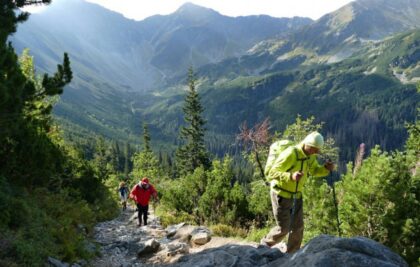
{"x":359,"y":158}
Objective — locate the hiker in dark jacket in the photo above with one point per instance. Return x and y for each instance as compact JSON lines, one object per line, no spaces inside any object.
{"x":123,"y":193}
{"x":141,"y":194}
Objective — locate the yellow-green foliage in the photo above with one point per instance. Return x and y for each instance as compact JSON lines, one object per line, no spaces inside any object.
{"x":168,"y":218}
{"x":260,"y":202}
{"x":228,"y":231}
{"x":256,"y":234}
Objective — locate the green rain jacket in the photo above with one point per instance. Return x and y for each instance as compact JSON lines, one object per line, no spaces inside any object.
{"x":291,"y":160}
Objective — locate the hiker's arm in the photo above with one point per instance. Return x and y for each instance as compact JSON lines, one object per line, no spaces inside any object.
{"x":154,"y":193}
{"x":317,"y":170}
{"x":283,"y":163}
{"x":132,"y":195}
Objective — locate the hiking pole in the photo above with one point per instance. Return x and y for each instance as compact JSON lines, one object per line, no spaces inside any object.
{"x":154,"y":207}
{"x":293,"y":213}
{"x":335,"y":204}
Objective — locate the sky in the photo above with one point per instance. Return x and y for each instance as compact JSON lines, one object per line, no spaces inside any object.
{"x":141,"y":9}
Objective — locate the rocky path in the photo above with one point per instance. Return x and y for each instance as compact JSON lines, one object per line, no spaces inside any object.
{"x":121,"y":240}
{"x":124,"y":244}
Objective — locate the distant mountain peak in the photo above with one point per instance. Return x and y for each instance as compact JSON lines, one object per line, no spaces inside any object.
{"x":190,"y":9}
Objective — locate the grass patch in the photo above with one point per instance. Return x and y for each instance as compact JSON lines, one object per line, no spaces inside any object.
{"x":256,"y":234}
{"x":228,"y":231}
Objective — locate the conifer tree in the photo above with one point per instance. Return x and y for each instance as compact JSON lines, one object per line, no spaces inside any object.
{"x":116,"y":157}
{"x":102,"y":158}
{"x":127,"y":157}
{"x":192,"y":153}
{"x":146,"y":138}
{"x":23,"y":134}
{"x":145,"y":162}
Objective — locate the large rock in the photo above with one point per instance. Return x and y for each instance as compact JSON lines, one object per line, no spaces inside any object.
{"x":331,"y":251}
{"x":174,"y":248}
{"x":200,"y":236}
{"x":322,"y":251}
{"x":173,"y":229}
{"x":149,"y":247}
{"x":231,"y":255}
{"x":52,"y":262}
{"x":185,"y":233}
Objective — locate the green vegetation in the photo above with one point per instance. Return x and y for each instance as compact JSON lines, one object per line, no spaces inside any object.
{"x":50,"y":196}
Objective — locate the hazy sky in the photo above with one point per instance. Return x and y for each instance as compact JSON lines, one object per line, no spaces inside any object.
{"x":140,"y":9}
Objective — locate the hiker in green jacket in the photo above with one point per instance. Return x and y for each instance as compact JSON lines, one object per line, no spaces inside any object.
{"x":287,"y":177}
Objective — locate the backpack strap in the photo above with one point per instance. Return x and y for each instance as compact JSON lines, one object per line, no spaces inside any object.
{"x":298,"y":159}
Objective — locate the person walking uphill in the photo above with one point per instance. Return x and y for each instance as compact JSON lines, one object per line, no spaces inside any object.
{"x":141,"y":194}
{"x":123,"y":193}
{"x":287,"y":177}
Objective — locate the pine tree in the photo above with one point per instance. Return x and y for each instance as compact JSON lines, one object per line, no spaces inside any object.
{"x":115,"y":157}
{"x":127,"y":159}
{"x":146,"y":138}
{"x":145,"y":162}
{"x":193,"y":153}
{"x":102,"y":160}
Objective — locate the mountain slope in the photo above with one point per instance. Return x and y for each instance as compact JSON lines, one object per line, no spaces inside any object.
{"x":332,"y":38}
{"x":358,"y":21}
{"x":360,"y":98}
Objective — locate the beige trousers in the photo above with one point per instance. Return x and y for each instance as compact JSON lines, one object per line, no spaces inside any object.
{"x":282,"y":209}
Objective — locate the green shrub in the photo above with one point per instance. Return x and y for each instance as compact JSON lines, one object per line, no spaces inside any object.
{"x":256,"y":234}
{"x":168,"y":218}
{"x":228,"y":231}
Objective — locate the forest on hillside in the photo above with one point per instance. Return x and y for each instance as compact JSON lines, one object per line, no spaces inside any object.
{"x":53,"y":189}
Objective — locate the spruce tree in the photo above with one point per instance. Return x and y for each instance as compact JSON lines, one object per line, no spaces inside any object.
{"x":127,"y":156}
{"x":145,"y":162}
{"x":146,"y":139}
{"x":192,"y":154}
{"x":102,"y":158}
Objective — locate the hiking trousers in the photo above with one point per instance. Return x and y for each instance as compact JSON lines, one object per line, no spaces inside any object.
{"x":142,"y":212}
{"x":282,"y":209}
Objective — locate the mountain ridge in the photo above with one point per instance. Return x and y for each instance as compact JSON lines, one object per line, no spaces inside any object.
{"x":139,"y":51}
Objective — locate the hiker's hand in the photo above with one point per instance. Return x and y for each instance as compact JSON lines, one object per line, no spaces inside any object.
{"x":296,"y":176}
{"x":329,"y":165}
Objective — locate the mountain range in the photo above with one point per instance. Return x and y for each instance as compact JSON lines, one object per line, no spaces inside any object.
{"x":355,"y":69}
{"x":140,"y":55}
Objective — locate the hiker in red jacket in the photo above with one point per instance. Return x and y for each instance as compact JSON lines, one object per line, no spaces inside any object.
{"x":141,"y":193}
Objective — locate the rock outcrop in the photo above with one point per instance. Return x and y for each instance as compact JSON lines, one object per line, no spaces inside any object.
{"x":322,"y":251}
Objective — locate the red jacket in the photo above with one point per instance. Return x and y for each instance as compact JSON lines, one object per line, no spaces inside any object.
{"x":142,"y":196}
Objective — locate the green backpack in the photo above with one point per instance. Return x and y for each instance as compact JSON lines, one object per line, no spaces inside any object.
{"x":275,"y":149}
